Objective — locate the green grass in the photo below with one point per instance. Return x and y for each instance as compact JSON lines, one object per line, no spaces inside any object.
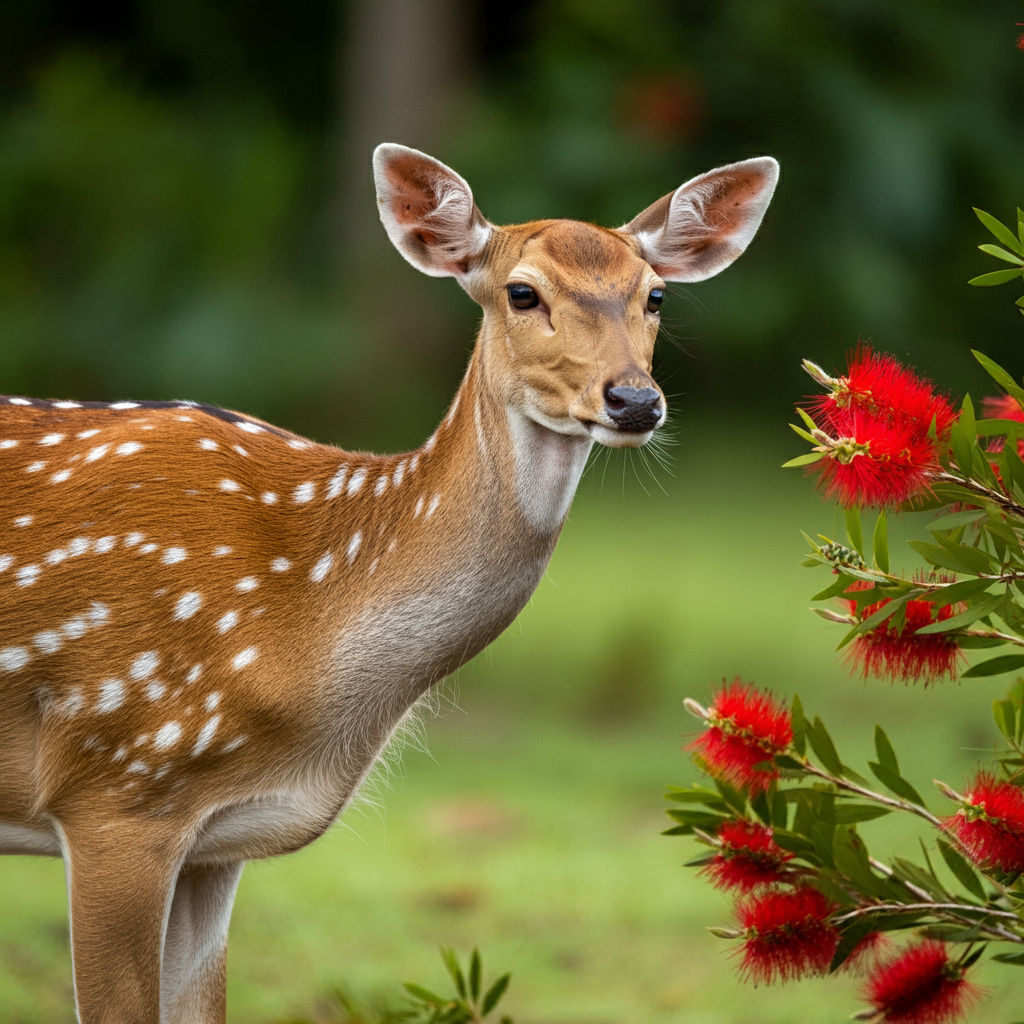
{"x":532,"y":827}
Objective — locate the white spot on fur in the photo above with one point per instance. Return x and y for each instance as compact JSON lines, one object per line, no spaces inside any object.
{"x":144,"y":665}
{"x":268,"y":498}
{"x":97,"y":453}
{"x":419,"y":507}
{"x":174,"y":555}
{"x":205,"y":735}
{"x":111,"y":697}
{"x":167,"y":735}
{"x":155,"y":690}
{"x":187,"y":605}
{"x":6,"y":561}
{"x":125,"y":405}
{"x":75,"y":629}
{"x":212,"y":701}
{"x":133,"y":538}
{"x":66,"y":405}
{"x":304,"y":492}
{"x":234,"y":744}
{"x":120,"y":754}
{"x":221,"y":550}
{"x":34,"y":467}
{"x":138,"y":768}
{"x":241,"y":451}
{"x":280,"y":565}
{"x":322,"y":568}
{"x":229,"y":486}
{"x":414,"y":462}
{"x":247,"y":583}
{"x":240,"y":661}
{"x":249,"y":428}
{"x":399,"y":474}
{"x":432,"y":507}
{"x":380,"y":486}
{"x":72,"y":703}
{"x":148,"y":549}
{"x":129,"y":448}
{"x":12,"y":659}
{"x":337,"y":482}
{"x":353,"y":546}
{"x":51,"y":439}
{"x":27,"y":575}
{"x":23,"y":521}
{"x":55,"y":557}
{"x":88,"y":433}
{"x":194,"y":673}
{"x":104,"y":545}
{"x":99,"y":614}
{"x":227,"y":621}
{"x":208,"y":444}
{"x":357,"y":481}
{"x":60,"y":476}
{"x":8,"y":444}
{"x":79,"y":545}
{"x":48,"y":641}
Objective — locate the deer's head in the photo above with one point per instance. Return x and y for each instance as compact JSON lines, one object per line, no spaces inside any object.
{"x":571,"y":310}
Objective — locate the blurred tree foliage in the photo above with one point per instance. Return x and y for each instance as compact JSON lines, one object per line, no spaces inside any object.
{"x":169,"y":171}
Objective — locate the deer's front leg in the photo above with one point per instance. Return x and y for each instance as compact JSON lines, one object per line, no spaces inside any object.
{"x":195,"y":948}
{"x":119,"y":893}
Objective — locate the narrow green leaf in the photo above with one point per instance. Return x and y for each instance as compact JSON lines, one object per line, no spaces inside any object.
{"x":886,"y":754}
{"x":962,"y":449}
{"x":1005,"y":717}
{"x":803,"y":433}
{"x":995,"y":667}
{"x":1000,"y":230}
{"x":780,"y":811}
{"x":823,"y":746}
{"x":852,"y":859}
{"x":978,"y":560}
{"x":494,"y":993}
{"x":808,"y":422}
{"x":962,"y":871}
{"x":995,"y":277}
{"x":954,"y":520}
{"x":880,"y":543}
{"x":850,"y":814}
{"x":997,"y":373}
{"x":990,"y":428}
{"x":854,"y":530}
{"x":895,"y":782}
{"x":982,"y":607}
{"x":911,"y":872}
{"x":1012,"y":460}
{"x":1000,"y":253}
{"x":978,"y":643}
{"x":967,"y":420}
{"x":942,"y":558}
{"x":961,"y":591}
{"x":474,"y":975}
{"x":1010,"y":958}
{"x":424,"y":994}
{"x":451,"y":961}
{"x":804,"y":460}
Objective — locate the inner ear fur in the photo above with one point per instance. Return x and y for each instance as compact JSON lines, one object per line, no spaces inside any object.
{"x":428,"y":211}
{"x":698,"y":230}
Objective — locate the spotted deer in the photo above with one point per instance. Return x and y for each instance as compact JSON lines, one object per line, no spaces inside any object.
{"x":210,"y":627}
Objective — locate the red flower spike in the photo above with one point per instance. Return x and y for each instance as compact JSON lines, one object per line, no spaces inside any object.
{"x":878,"y":384}
{"x":920,"y":986}
{"x":747,"y":858}
{"x":745,"y":729}
{"x":867,"y":954}
{"x":900,"y":654}
{"x":990,"y":824}
{"x":1002,"y":407}
{"x":787,"y":934}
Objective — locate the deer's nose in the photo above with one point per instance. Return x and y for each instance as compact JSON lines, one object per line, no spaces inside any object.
{"x":636,"y":410}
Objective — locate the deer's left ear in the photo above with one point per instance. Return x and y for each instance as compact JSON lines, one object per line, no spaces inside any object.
{"x":428,"y":211}
{"x":698,"y":230}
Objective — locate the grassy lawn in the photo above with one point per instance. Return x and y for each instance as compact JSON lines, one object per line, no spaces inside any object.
{"x":532,"y":827}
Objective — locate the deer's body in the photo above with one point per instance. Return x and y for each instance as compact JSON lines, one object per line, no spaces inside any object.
{"x":210,"y":627}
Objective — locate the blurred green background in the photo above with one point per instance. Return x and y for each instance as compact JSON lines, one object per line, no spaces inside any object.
{"x":186,"y":210}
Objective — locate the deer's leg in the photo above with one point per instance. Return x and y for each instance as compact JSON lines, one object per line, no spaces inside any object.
{"x":195,"y":949}
{"x":119,"y":893}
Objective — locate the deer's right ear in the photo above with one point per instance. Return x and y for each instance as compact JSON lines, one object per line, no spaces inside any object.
{"x":428,"y":211}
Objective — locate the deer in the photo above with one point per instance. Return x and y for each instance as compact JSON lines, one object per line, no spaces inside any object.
{"x":211,"y":627}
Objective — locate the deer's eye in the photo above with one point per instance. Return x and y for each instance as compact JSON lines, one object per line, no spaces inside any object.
{"x":654,"y":300}
{"x":522,"y":296}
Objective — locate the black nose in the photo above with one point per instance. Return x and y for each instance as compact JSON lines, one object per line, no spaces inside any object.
{"x":636,"y":410}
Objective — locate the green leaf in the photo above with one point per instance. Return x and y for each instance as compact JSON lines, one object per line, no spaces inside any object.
{"x":955,"y":520}
{"x":995,"y":667}
{"x":854,"y":530}
{"x":424,"y":994}
{"x":997,"y":373}
{"x":886,"y":755}
{"x":962,"y":591}
{"x":851,"y":814}
{"x":1000,"y":253}
{"x":1005,"y":715}
{"x":962,"y":871}
{"x":962,"y":449}
{"x":780,"y":811}
{"x":978,"y":643}
{"x":804,"y":460}
{"x":911,"y":872}
{"x":803,"y":433}
{"x":992,"y":428}
{"x":852,"y":859}
{"x":1010,"y":958}
{"x":695,"y":795}
{"x":967,"y":420}
{"x":474,"y":975}
{"x":978,"y":560}
{"x":494,"y":993}
{"x":451,"y":961}
{"x":880,"y":543}
{"x":1000,"y":230}
{"x":799,"y":723}
{"x":982,"y":607}
{"x":896,"y":783}
{"x":834,"y":589}
{"x":944,"y":559}
{"x":996,"y":277}
{"x":823,"y":746}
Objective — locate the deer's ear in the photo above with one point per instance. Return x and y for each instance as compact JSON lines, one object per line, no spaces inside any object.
{"x":428,"y":211}
{"x":698,"y":230}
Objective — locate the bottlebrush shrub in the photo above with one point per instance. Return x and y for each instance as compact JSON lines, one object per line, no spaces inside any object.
{"x":783,"y":816}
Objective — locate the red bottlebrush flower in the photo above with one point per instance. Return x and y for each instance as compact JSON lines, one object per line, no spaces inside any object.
{"x":990,"y":824}
{"x":920,"y":986}
{"x":899,"y":653}
{"x":787,"y":934}
{"x":745,"y":728}
{"x":874,"y":463}
{"x":878,"y":384}
{"x":867,"y":954}
{"x":747,"y":858}
{"x":1002,"y":407}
